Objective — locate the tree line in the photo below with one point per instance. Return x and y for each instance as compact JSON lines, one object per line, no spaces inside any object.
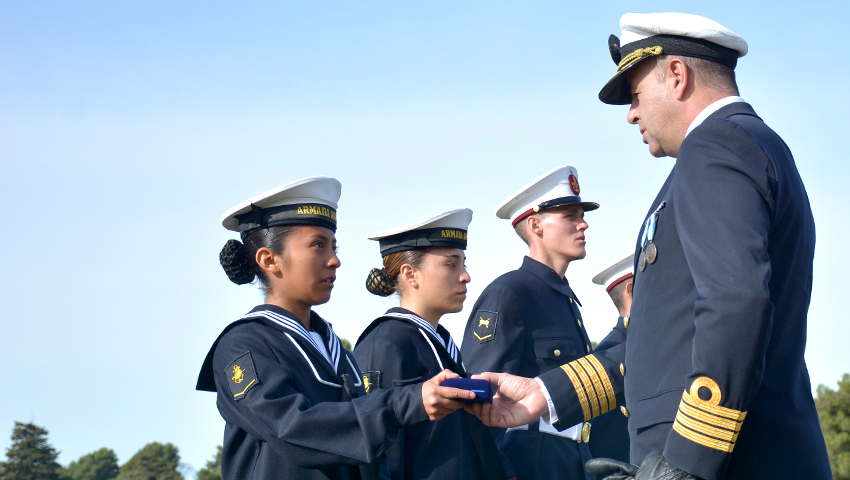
{"x":32,"y":457}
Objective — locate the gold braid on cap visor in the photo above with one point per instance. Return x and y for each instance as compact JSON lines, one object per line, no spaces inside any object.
{"x":636,"y":56}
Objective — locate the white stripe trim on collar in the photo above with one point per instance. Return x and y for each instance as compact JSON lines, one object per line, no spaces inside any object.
{"x":424,"y":325}
{"x":298,"y":328}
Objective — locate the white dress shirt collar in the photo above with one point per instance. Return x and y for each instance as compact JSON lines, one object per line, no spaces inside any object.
{"x":711,"y":109}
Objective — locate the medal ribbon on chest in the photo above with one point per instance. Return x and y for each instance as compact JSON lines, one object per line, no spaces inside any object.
{"x":648,"y":250}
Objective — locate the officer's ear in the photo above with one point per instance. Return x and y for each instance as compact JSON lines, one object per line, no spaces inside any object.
{"x":629,"y":287}
{"x":678,"y":78}
{"x":408,"y":275}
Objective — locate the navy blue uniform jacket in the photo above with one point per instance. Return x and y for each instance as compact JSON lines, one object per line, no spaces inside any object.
{"x":527,"y":322}
{"x":288,"y":416}
{"x":715,"y":374}
{"x":610,"y":434}
{"x":395,"y":350}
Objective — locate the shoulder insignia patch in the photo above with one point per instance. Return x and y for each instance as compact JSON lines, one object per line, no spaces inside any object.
{"x":484,"y":326}
{"x":241,"y":375}
{"x":371,"y":381}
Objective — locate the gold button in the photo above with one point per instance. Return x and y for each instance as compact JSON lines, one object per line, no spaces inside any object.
{"x":588,"y":349}
{"x":622,"y":370}
{"x":626,"y":322}
{"x":571,"y":299}
{"x":624,"y":410}
{"x":585,"y":433}
{"x":557,"y":353}
{"x":579,"y":321}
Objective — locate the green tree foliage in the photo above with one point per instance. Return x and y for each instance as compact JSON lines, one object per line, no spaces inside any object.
{"x":212,"y":471}
{"x":155,"y":461}
{"x":99,"y":465}
{"x":345,"y":344}
{"x":834,"y":412}
{"x":30,"y":457}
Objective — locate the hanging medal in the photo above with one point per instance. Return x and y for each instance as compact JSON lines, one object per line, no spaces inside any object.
{"x":648,"y":250}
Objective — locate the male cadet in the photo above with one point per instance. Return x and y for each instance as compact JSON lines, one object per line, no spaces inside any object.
{"x":610,"y":437}
{"x":715,"y":384}
{"x":527,"y":321}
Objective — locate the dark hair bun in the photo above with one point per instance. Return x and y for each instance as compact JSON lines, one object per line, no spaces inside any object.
{"x":379,"y":283}
{"x":234,"y":263}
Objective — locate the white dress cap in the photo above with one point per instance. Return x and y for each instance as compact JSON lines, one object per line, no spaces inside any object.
{"x":309,"y":201}
{"x":448,"y":229}
{"x":556,"y":187}
{"x":654,"y":34}
{"x":637,"y":26}
{"x":618,"y":272}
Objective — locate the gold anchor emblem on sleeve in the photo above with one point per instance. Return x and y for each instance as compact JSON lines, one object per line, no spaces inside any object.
{"x":238,"y":374}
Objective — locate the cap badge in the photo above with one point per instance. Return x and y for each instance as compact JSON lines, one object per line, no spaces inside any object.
{"x":614,"y":48}
{"x":574,"y":184}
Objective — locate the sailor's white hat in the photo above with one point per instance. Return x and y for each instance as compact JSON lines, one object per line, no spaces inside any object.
{"x":558,"y":186}
{"x":616,"y":273}
{"x":648,"y":35}
{"x":309,"y":201}
{"x":448,"y":229}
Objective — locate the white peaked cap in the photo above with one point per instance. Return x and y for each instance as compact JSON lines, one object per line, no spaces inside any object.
{"x":617,"y":272}
{"x":637,"y":26}
{"x":558,"y":186}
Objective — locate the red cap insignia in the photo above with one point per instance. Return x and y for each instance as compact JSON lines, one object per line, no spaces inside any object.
{"x":574,"y":184}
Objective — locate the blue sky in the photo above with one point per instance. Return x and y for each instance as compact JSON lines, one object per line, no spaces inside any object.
{"x":128,"y":128}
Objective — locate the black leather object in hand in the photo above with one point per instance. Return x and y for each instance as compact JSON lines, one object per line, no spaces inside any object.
{"x":656,"y":467}
{"x":613,"y":469}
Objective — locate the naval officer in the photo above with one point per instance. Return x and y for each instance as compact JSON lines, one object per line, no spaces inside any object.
{"x":292,"y":397}
{"x":527,"y":321}
{"x":610,"y":437}
{"x":716,"y":384}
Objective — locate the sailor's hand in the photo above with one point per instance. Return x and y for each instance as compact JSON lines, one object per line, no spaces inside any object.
{"x":440,"y":401}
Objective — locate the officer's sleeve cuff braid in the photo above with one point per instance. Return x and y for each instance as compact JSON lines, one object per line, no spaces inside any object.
{"x":552,"y":416}
{"x":592,"y":385}
{"x":706,"y":423}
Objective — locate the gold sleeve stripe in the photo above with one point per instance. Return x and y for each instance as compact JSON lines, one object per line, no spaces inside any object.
{"x":588,"y":386}
{"x":598,"y":389}
{"x":705,"y":429}
{"x":702,"y":439}
{"x":688,"y":408}
{"x":609,"y":389}
{"x":582,"y":397}
{"x":705,"y":421}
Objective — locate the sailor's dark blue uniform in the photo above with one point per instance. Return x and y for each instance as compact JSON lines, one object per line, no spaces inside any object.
{"x":289,"y":411}
{"x":610,"y":438}
{"x":715,"y":374}
{"x":401,"y":348}
{"x":527,"y":322}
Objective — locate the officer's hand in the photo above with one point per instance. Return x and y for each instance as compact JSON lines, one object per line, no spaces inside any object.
{"x":614,"y":469}
{"x":519,"y":401}
{"x":656,"y":467}
{"x":441,"y":401}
